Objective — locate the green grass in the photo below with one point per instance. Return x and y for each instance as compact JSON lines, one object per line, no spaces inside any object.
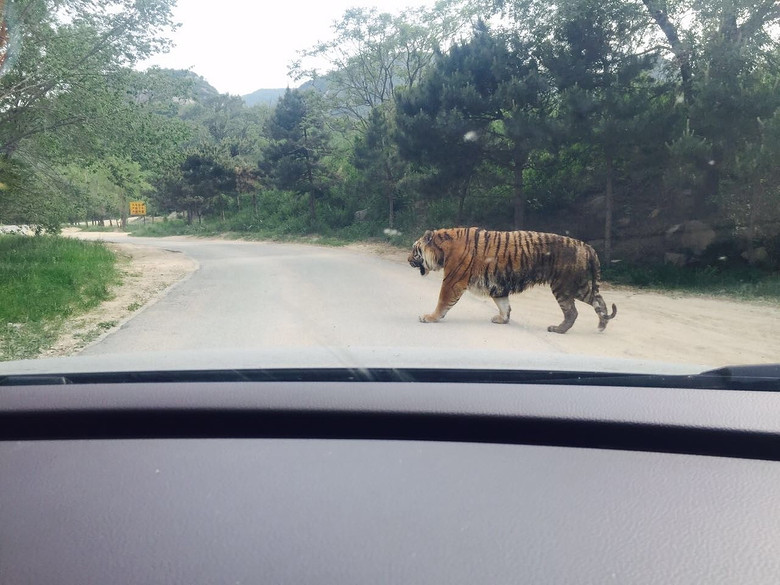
{"x":739,"y":282}
{"x":44,"y":280}
{"x":161,"y":229}
{"x":247,"y":228}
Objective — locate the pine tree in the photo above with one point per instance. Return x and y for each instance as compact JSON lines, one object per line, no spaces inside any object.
{"x":298,"y":144}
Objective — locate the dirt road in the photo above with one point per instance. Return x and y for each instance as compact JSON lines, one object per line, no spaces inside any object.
{"x":258,"y":295}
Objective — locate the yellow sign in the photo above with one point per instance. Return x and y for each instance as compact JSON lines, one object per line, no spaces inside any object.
{"x":137,"y":208}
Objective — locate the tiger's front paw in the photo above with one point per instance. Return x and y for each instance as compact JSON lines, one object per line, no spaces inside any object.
{"x":428,"y":319}
{"x":500,"y":320}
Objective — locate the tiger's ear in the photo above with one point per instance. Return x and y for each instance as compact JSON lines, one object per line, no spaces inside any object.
{"x":427,"y":237}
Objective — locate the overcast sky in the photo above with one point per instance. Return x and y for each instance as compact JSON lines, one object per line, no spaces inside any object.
{"x":243,"y":45}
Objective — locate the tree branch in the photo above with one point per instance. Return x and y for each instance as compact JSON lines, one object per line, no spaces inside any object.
{"x":680,"y":50}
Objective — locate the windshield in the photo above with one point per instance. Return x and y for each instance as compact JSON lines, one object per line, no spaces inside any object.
{"x":585,"y":186}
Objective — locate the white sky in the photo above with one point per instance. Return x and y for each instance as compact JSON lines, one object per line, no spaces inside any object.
{"x":243,"y":45}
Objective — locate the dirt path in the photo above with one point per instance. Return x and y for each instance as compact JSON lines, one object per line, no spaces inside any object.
{"x":146,"y":275}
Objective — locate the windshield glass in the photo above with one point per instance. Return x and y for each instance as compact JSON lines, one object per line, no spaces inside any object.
{"x":584,"y":186}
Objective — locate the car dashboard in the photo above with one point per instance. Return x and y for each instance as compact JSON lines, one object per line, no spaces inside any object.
{"x":337,"y":476}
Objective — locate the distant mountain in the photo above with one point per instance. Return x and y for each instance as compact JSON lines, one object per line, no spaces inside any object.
{"x":201,"y":89}
{"x":263,"y":96}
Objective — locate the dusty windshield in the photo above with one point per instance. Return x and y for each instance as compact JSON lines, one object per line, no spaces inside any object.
{"x":584,"y":185}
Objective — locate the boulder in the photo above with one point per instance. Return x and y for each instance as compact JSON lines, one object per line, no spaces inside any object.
{"x":756,"y":256}
{"x":693,"y":236}
{"x":21,"y":230}
{"x":675,"y":259}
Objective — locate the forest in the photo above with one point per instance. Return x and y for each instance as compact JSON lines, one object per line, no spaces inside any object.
{"x":649,"y":128}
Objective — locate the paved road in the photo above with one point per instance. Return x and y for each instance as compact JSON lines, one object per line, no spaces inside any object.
{"x":259,"y":295}
{"x":249,"y":295}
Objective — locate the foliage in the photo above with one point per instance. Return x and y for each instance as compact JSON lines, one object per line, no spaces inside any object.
{"x":615,"y":121}
{"x":743,"y":283}
{"x":294,"y":157}
{"x":68,"y":95}
{"x":482,"y":101}
{"x":372,"y":54}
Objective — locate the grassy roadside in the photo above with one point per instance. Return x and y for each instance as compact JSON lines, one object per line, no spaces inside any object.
{"x":280,"y":233}
{"x":737,"y":282}
{"x":44,"y":280}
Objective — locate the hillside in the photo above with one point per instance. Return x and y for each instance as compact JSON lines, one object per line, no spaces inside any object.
{"x":201,"y":89}
{"x":263,"y":96}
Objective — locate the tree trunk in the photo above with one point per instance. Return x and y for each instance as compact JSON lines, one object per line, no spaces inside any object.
{"x":390,"y":194}
{"x":461,"y":201}
{"x":752,"y":231}
{"x":679,"y":48}
{"x":125,"y":210}
{"x":312,"y":207}
{"x":391,"y":209}
{"x":519,"y":195}
{"x":608,"y":218}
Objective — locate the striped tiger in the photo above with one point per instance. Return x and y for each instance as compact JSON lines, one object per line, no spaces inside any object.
{"x":499,"y":263}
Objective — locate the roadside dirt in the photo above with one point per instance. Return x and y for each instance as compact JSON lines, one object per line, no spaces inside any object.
{"x":668,"y":327}
{"x":146,"y":275}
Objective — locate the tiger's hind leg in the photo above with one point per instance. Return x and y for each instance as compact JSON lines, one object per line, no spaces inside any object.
{"x":601,"y":310}
{"x":595,"y":300}
{"x":569,"y":314}
{"x":503,"y":310}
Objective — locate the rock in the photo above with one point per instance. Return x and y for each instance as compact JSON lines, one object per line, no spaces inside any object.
{"x":596,"y":204}
{"x":21,"y":230}
{"x":691,"y":235}
{"x":361,"y":215}
{"x":675,"y":259}
{"x":757,"y":256}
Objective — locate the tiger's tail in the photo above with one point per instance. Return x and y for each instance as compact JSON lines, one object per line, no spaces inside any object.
{"x":597,"y":301}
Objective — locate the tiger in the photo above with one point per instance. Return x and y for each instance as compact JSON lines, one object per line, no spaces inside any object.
{"x":498,"y":263}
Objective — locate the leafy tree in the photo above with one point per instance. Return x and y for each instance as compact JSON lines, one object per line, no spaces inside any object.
{"x":65,"y":91}
{"x":131,"y":180}
{"x":205,"y":179}
{"x":375,"y":155}
{"x":752,"y":192}
{"x":294,"y":158}
{"x":46,"y":57}
{"x":373,"y":53}
{"x":603,"y":83}
{"x":723,"y":49}
{"x":485,"y":99}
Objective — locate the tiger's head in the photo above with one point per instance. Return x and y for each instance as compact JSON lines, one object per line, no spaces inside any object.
{"x":426,"y":255}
